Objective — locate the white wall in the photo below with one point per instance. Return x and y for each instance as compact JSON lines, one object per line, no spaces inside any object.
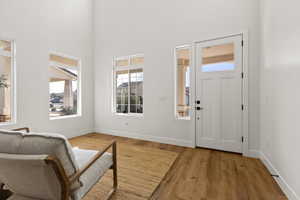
{"x":155,"y":28}
{"x":39,"y":27}
{"x":280,"y":98}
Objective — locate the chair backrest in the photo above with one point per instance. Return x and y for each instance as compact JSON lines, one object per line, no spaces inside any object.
{"x":23,"y":144}
{"x":30,"y":176}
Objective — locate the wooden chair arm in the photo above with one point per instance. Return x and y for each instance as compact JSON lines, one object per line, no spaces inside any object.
{"x":22,"y":129}
{"x":61,"y":175}
{"x":95,"y":158}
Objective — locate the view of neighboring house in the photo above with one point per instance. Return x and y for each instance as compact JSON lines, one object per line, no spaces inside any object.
{"x":136,"y":98}
{"x":63,"y":86}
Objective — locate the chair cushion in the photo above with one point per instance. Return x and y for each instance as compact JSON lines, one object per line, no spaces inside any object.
{"x":10,"y":141}
{"x":41,"y":143}
{"x":50,"y":144}
{"x":94,"y":173}
{"x":30,"y":176}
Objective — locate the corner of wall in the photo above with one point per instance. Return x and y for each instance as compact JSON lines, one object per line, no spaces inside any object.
{"x":286,"y":188}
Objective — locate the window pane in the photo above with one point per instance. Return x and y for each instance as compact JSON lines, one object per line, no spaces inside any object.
{"x":183,"y":56}
{"x":5,"y":45}
{"x":122,"y":108}
{"x":6,"y":104}
{"x":137,"y":60}
{"x":140,"y":108}
{"x":133,"y":108}
{"x":129,"y":84}
{"x":218,"y":58}
{"x":121,"y":62}
{"x":122,"y":80}
{"x":136,"y":91}
{"x":63,"y":86}
{"x":64,"y":60}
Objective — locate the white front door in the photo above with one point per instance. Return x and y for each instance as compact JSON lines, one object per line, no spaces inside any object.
{"x":219,"y":94}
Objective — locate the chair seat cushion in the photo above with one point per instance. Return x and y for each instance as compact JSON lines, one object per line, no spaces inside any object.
{"x":95,"y":172}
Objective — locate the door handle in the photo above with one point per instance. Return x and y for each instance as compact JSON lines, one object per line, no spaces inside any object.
{"x":199,"y":108}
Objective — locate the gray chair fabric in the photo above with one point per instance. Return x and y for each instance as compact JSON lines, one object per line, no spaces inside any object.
{"x":10,"y":141}
{"x":51,"y":144}
{"x":29,"y":175}
{"x":24,"y":171}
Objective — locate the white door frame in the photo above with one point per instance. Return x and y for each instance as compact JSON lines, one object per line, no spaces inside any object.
{"x":245,"y":85}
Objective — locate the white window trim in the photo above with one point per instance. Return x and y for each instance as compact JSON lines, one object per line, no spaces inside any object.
{"x":124,"y":68}
{"x":64,"y":117}
{"x":13,"y":95}
{"x":131,"y":115}
{"x":79,"y":87}
{"x":5,"y":53}
{"x":185,"y":46}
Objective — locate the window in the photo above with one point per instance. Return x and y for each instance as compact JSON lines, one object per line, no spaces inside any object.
{"x":7,"y":67}
{"x":183,"y":82}
{"x":128,"y":81}
{"x":218,"y":58}
{"x":64,"y":86}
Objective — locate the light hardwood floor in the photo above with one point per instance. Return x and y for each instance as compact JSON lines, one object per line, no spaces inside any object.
{"x":202,"y":174}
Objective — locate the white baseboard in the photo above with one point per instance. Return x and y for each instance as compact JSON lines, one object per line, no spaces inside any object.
{"x":289,"y":192}
{"x":253,"y":153}
{"x":164,"y":140}
{"x":80,"y":132}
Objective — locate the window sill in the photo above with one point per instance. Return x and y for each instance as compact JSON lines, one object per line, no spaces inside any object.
{"x":129,"y":115}
{"x":64,"y":117}
{"x":8,"y":123}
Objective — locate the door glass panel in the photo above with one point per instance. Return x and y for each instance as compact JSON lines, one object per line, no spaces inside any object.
{"x":218,"y":58}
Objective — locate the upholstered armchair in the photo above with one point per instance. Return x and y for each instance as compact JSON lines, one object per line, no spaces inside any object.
{"x":45,"y":166}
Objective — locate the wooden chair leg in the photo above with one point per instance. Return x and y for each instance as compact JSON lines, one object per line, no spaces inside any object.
{"x":115,"y":172}
{"x":115,"y":167}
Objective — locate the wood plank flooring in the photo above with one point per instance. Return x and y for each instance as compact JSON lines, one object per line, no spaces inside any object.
{"x":202,"y":174}
{"x":140,"y":169}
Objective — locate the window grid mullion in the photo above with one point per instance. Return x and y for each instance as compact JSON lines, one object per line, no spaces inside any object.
{"x":129,"y":90}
